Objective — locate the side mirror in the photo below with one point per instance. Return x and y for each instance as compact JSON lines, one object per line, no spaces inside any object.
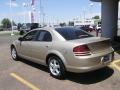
{"x":20,"y":39}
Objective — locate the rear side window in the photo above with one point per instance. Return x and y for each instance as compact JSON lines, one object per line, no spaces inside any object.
{"x":72,"y":33}
{"x":44,"y":36}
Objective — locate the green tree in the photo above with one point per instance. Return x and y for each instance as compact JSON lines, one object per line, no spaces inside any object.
{"x":62,"y":24}
{"x":71,"y":23}
{"x":96,"y":17}
{"x":6,"y":23}
{"x":13,"y":23}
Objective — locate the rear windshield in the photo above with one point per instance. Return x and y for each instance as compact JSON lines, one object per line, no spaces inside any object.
{"x":72,"y":33}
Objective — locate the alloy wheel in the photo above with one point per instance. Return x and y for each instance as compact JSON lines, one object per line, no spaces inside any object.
{"x":54,"y":67}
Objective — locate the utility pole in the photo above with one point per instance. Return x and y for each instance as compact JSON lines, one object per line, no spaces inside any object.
{"x":11,"y":17}
{"x":42,"y":14}
{"x":84,"y":16}
{"x":91,"y":12}
{"x":32,"y":11}
{"x":24,"y":5}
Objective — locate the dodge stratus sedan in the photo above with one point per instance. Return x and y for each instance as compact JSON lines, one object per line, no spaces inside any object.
{"x":63,"y":49}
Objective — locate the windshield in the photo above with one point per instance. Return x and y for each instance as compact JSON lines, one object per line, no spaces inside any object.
{"x":72,"y":33}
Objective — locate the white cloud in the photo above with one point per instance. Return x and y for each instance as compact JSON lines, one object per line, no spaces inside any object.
{"x":13,"y":4}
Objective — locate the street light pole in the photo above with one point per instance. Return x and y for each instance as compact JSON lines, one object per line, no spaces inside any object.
{"x":91,"y":6}
{"x":84,"y":16}
{"x":24,"y":5}
{"x":11,"y":18}
{"x":42,"y":14}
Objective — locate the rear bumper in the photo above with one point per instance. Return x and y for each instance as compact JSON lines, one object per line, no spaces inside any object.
{"x":85,"y":69}
{"x":90,"y":64}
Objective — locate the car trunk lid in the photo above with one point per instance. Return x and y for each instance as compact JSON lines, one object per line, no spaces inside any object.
{"x":95,"y":44}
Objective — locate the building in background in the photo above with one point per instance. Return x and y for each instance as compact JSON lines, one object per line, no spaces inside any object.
{"x":87,"y":21}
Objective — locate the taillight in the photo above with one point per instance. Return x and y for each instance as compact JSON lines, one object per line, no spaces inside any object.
{"x":81,"y":50}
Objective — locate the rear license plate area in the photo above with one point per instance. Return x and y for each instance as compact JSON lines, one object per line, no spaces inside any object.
{"x":106,"y":58}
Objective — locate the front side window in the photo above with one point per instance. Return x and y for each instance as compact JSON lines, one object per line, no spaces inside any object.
{"x":44,"y":36}
{"x":30,"y":36}
{"x":72,"y":33}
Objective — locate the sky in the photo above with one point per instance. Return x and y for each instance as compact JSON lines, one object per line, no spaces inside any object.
{"x":54,"y":10}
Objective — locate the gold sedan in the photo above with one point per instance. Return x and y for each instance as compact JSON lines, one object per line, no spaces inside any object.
{"x":63,"y":49}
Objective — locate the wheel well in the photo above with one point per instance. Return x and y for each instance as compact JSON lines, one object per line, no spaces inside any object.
{"x":49,"y":55}
{"x":12,"y":46}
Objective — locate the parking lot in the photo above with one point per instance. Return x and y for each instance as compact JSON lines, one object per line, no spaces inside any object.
{"x":25,"y":75}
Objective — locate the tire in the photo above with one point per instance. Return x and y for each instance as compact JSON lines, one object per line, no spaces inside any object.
{"x":56,"y":67}
{"x":14,"y":53}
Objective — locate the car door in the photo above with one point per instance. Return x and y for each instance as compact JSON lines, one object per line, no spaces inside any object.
{"x":42,"y":45}
{"x":26,"y":44}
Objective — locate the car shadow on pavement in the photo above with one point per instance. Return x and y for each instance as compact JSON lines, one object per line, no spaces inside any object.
{"x":81,"y":78}
{"x":91,"y":77}
{"x":34,"y":65}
